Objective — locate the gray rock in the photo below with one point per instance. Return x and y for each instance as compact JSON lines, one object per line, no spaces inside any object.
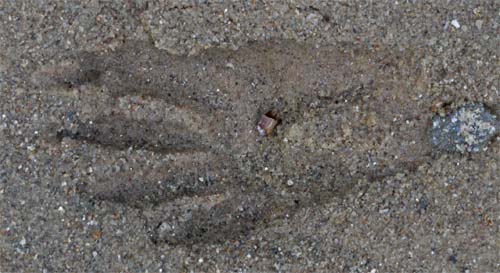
{"x":468,"y":129}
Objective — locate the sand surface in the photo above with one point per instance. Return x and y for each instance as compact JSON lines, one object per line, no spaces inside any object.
{"x":130,"y":143}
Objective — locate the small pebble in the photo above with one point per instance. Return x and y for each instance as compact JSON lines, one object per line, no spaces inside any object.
{"x":455,"y":23}
{"x":479,"y":24}
{"x":467,"y":129}
{"x":266,"y":124}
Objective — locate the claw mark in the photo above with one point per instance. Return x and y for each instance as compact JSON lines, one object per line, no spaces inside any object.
{"x":233,"y":218}
{"x":122,"y":134}
{"x":68,"y":74}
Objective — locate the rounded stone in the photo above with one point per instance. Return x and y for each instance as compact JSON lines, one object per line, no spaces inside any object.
{"x":467,"y":129}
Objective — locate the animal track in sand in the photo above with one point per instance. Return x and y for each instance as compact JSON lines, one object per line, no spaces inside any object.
{"x":347,"y":113}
